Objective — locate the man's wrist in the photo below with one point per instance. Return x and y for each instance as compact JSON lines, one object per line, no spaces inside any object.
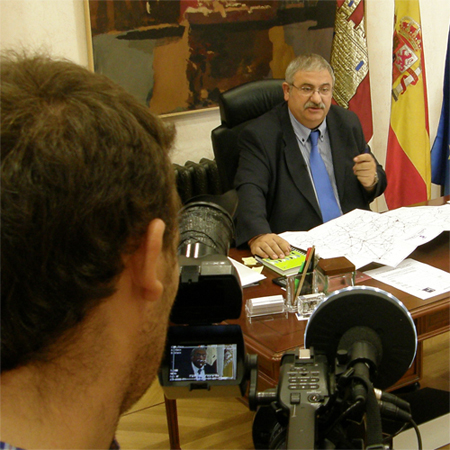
{"x":253,"y":238}
{"x":375,"y":181}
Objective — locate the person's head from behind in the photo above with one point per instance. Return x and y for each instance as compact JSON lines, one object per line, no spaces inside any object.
{"x":87,"y":189}
{"x":308,"y":88}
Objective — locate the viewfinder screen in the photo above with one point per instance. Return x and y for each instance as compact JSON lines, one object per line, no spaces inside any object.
{"x":203,"y":362}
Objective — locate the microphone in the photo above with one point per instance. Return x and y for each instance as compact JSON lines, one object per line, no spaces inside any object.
{"x":371,"y":326}
{"x":371,"y":333}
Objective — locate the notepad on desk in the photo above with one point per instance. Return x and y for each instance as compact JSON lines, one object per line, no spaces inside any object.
{"x":285,"y":266}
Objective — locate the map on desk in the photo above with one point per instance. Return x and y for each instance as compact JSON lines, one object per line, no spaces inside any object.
{"x":365,"y":236}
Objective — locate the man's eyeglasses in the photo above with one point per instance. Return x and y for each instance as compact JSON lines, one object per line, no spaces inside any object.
{"x":307,"y":91}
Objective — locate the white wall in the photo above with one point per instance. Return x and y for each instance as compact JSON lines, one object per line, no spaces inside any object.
{"x":54,"y":25}
{"x":60,"y":26}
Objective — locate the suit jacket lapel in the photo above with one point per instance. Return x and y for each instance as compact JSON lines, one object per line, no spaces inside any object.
{"x":295,"y":163}
{"x":338,"y":141}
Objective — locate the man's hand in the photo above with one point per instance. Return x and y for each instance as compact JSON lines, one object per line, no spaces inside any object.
{"x":365,"y":170}
{"x":269,"y":246}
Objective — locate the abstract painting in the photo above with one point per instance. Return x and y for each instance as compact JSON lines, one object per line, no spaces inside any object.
{"x":179,"y":55}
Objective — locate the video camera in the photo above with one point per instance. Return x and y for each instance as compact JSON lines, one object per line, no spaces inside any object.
{"x":358,"y":339}
{"x":209,"y":293}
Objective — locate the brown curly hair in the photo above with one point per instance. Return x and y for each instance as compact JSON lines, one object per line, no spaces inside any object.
{"x":84,"y":169}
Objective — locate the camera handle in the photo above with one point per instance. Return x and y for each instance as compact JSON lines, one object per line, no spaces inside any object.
{"x":251,"y":365}
{"x":302,"y":390}
{"x":363,"y":390}
{"x":302,"y":420}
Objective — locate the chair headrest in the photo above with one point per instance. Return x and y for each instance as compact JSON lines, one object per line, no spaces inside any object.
{"x":249,"y":100}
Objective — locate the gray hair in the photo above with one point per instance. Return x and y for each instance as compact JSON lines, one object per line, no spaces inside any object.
{"x":200,"y":347}
{"x":307,"y":63}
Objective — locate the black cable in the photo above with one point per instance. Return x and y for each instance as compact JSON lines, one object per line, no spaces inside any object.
{"x":374,"y":428}
{"x":344,"y":415}
{"x":416,"y":429}
{"x":419,"y":437}
{"x":392,"y":436}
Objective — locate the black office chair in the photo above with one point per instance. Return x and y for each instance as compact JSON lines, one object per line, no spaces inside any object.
{"x":238,"y":106}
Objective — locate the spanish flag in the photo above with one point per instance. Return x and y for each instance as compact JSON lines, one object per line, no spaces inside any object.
{"x":408,"y":154}
{"x":350,"y":62}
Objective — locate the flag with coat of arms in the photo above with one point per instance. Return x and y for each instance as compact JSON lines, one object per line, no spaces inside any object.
{"x":408,"y":166}
{"x":350,"y":62}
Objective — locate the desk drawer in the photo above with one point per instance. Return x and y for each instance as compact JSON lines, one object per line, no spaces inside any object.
{"x":433,"y":324}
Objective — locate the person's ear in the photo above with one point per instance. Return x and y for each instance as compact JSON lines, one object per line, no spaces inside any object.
{"x":286,"y":90}
{"x":147,"y":259}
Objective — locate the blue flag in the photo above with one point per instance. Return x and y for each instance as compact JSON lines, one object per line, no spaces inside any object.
{"x":440,"y":162}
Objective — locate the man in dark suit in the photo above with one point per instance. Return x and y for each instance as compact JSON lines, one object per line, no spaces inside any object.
{"x":197,"y":368}
{"x":274,"y":180}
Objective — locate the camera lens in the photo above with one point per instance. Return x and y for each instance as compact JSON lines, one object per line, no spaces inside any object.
{"x":205,"y":229}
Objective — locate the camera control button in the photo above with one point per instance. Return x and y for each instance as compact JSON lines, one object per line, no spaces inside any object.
{"x":296,"y":398}
{"x":314,"y":398}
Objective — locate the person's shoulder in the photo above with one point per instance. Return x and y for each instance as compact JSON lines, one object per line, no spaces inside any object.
{"x":343,"y":117}
{"x":341,"y":112}
{"x":210,"y":369}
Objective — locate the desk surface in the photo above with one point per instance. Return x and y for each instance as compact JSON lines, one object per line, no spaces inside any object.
{"x":271,"y":336}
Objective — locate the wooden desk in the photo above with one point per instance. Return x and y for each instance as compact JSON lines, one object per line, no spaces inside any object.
{"x":269,"y":337}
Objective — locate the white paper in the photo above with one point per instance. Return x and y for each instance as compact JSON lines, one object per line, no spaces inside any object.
{"x":415,"y":278}
{"x":425,"y":216}
{"x":246,"y":275}
{"x":365,"y":236}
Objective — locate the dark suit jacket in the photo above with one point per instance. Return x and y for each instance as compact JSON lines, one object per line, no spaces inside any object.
{"x":274,"y":188}
{"x":186,"y":370}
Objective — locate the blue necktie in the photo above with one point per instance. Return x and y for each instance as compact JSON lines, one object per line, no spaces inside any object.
{"x":327,"y":200}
